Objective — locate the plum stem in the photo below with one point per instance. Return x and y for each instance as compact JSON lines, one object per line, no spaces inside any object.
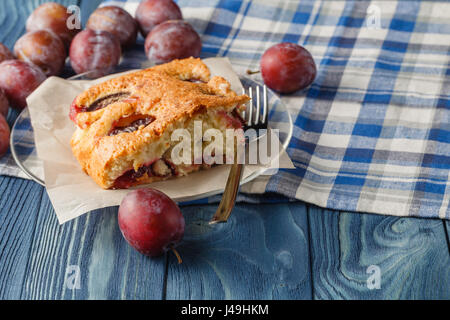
{"x":249,"y":72}
{"x":175,"y":252}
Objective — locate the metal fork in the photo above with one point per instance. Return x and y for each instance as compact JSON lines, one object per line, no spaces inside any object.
{"x":255,"y":117}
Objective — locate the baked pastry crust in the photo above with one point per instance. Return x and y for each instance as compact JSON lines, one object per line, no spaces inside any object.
{"x":124,"y":124}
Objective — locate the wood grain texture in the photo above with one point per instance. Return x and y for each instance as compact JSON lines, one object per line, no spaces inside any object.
{"x":35,"y":250}
{"x":20,"y":199}
{"x":19,"y":203}
{"x":411,"y":253}
{"x":109,"y":267}
{"x":261,"y":253}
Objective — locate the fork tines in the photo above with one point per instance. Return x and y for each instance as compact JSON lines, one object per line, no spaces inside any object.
{"x":252,"y":115}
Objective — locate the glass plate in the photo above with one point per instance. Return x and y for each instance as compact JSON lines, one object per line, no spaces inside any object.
{"x":24,"y":152}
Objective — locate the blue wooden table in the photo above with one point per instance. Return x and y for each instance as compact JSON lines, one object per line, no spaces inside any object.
{"x":271,"y":251}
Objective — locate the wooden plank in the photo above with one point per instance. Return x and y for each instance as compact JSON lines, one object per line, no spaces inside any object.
{"x":108,"y":267}
{"x":19,"y":204}
{"x":35,"y":251}
{"x":411,"y":255}
{"x":20,"y":200}
{"x":261,"y":253}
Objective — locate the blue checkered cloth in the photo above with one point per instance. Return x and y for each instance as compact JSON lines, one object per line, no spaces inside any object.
{"x":372,"y":133}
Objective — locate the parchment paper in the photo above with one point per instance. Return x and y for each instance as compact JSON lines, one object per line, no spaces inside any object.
{"x":74,"y":193}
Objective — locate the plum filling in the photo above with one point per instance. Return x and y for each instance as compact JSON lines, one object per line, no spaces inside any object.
{"x":161,"y":167}
{"x":74,"y":110}
{"x":238,"y":116}
{"x":107,"y":100}
{"x":131,"y":124}
{"x":158,"y":168}
{"x":97,"y":104}
{"x":233,"y":119}
{"x":195,"y":80}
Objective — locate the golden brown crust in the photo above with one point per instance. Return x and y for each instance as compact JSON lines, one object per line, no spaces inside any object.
{"x":158,"y":93}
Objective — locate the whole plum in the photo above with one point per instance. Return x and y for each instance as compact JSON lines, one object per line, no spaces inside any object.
{"x":94,"y":50}
{"x":150,"y":221}
{"x":54,"y":17}
{"x":150,"y":13}
{"x":174,"y":39}
{"x":116,"y":21}
{"x":44,"y":49}
{"x":18,"y":79}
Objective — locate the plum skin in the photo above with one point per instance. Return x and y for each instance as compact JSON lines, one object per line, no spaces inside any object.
{"x":4,"y":103}
{"x":150,"y":221}
{"x":150,"y":13}
{"x":44,"y":49}
{"x":116,"y":21}
{"x":53,"y":17}
{"x":173,"y":39}
{"x":18,"y":79}
{"x":94,"y":50}
{"x":287,"y":67}
{"x":4,"y":135}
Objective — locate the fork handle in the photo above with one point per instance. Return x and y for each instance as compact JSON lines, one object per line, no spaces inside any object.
{"x":229,"y":195}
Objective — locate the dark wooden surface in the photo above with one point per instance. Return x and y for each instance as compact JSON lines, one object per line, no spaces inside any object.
{"x":276,"y":251}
